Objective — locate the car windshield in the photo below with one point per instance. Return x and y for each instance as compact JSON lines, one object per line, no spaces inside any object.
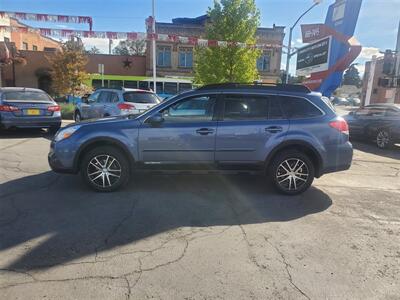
{"x":26,"y":96}
{"x":140,"y":97}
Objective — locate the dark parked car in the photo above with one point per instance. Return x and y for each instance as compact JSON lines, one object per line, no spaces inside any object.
{"x":286,"y":131}
{"x":379,"y":123}
{"x":28,"y":108}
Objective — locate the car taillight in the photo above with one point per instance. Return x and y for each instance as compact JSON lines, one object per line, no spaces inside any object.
{"x":125,"y":106}
{"x":340,"y":125}
{"x":8,"y":108}
{"x":54,"y":108}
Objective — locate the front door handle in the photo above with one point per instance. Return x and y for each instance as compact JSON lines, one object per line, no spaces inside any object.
{"x":204,"y":131}
{"x":273,"y":129}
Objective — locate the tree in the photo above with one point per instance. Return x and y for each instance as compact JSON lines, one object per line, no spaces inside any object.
{"x":68,"y":69}
{"x":93,"y":50}
{"x":129,"y":47}
{"x":352,"y":77}
{"x":235,"y":21}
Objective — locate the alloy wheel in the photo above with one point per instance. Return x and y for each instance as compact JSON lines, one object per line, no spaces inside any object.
{"x":382,"y":139}
{"x":104,"y":170}
{"x":292,"y":174}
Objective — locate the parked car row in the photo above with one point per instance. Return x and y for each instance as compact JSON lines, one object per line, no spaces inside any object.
{"x":341,"y":101}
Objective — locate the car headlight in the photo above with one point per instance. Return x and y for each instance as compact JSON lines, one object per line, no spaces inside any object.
{"x":66,"y":133}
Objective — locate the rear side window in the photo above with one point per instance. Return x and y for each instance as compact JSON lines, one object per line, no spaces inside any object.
{"x":140,"y":97}
{"x":26,"y":96}
{"x":246,"y":107}
{"x":298,"y":108}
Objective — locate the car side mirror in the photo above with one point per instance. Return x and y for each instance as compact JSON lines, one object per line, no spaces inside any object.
{"x":85,"y":100}
{"x":156,"y":119}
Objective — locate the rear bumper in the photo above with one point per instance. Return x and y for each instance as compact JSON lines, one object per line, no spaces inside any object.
{"x":338,"y":158}
{"x":8,"y":120}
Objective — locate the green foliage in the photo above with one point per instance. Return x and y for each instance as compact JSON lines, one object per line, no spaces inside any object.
{"x":229,"y":20}
{"x":352,"y":77}
{"x":129,"y":47}
{"x":68,"y":69}
{"x":93,"y":50}
{"x":67,"y":111}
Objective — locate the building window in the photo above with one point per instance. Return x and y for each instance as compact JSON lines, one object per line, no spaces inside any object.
{"x":34,"y":48}
{"x":375,"y":91}
{"x":263,"y":62}
{"x":24,"y":46}
{"x":185,"y":57}
{"x":164,"y":56}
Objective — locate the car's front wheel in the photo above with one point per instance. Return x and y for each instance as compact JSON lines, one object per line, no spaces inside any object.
{"x":292,"y":172}
{"x":105,"y":169}
{"x":383,"y":140}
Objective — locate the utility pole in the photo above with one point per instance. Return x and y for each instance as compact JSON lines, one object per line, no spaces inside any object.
{"x":289,"y":51}
{"x":110,"y":42}
{"x":153,"y":29}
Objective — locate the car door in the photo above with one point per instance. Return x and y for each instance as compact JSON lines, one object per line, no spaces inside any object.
{"x":186,"y":134}
{"x":357,"y":122}
{"x":87,"y":109}
{"x":100,"y":105}
{"x":246,"y":127}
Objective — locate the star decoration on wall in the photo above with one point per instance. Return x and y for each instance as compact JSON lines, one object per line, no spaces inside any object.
{"x":127,"y":63}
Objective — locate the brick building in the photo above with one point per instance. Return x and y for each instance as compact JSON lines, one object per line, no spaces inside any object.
{"x":25,"y":39}
{"x":35,"y":72}
{"x":174,"y":59}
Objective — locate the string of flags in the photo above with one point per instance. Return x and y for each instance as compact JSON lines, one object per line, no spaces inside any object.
{"x":48,"y":18}
{"x":195,"y":41}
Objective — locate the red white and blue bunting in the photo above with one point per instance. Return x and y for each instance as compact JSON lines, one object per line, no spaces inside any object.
{"x":48,"y":18}
{"x":195,"y":41}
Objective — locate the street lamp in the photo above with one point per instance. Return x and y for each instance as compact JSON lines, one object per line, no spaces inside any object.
{"x":153,"y":31}
{"x":289,"y":51}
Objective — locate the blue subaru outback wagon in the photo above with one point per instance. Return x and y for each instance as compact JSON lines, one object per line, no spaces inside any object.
{"x":286,"y":131}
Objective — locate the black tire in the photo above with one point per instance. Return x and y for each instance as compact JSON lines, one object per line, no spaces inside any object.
{"x":77,"y":116}
{"x":383,"y":139}
{"x":95,"y":161}
{"x":295,"y":160}
{"x":54,"y":129}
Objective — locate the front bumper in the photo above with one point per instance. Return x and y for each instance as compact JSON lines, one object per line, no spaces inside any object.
{"x":57,"y":163}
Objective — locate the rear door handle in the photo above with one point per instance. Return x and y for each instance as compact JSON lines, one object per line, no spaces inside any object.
{"x":273,"y":129}
{"x":204,"y":131}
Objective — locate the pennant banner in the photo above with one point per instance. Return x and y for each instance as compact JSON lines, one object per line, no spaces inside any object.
{"x":66,"y":33}
{"x":48,"y":18}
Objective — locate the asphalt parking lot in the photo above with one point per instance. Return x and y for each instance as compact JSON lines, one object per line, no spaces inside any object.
{"x":197,"y":236}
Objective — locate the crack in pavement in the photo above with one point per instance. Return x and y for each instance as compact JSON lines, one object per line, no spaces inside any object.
{"x":13,"y":145}
{"x":287,"y":265}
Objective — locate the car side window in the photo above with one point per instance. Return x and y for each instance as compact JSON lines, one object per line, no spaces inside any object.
{"x":113,"y":97}
{"x":245,"y":107}
{"x":104,"y":97}
{"x":362,"y":112}
{"x":377,"y":112}
{"x":93,"y":97}
{"x":193,"y":109}
{"x":298,"y":108}
{"x":392,"y":113}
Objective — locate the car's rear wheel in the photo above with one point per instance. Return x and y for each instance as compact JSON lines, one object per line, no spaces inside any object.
{"x":105,"y":169}
{"x":292,"y":172}
{"x":77,"y":116}
{"x":383,"y":140}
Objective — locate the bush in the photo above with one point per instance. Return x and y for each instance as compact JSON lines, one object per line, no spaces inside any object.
{"x":67,"y":111}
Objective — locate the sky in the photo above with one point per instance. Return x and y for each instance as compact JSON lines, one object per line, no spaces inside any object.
{"x":376,"y":29}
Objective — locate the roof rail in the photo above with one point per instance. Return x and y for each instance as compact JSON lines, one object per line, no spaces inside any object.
{"x":109,"y":88}
{"x":271,"y":86}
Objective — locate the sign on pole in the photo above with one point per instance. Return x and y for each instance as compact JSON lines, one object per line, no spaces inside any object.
{"x":313,"y":58}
